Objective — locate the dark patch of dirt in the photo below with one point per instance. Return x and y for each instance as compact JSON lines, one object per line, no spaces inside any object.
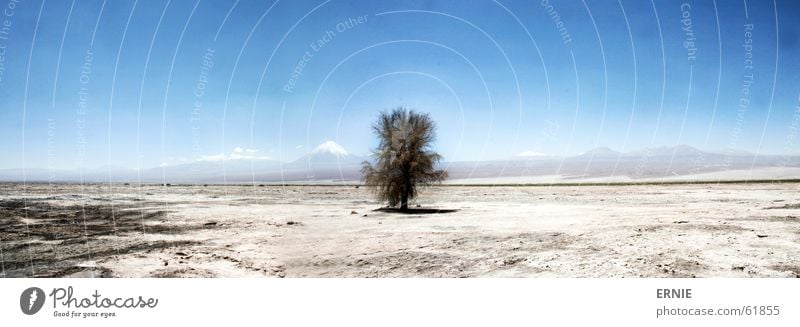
{"x":676,"y":267}
{"x":693,"y":227}
{"x":45,"y":264}
{"x":786,"y":206}
{"x":445,"y":259}
{"x":411,"y":263}
{"x":75,"y":270}
{"x":289,"y":223}
{"x":794,"y":269}
{"x":182,"y":272}
{"x":56,"y":238}
{"x":775,"y":219}
{"x":524,"y":242}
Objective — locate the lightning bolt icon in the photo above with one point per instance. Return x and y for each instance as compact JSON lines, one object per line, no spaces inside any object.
{"x":34,"y":295}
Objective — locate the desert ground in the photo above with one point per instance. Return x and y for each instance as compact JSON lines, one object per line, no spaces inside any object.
{"x":677,"y":230}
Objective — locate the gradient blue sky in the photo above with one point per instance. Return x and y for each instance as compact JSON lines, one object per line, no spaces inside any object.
{"x":495,"y":75}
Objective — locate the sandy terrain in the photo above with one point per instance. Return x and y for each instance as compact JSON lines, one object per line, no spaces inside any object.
{"x":725,"y":230}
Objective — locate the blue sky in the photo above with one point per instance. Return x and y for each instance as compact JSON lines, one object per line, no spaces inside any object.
{"x":171,"y":82}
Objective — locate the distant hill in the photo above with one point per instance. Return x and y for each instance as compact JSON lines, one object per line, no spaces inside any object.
{"x":601,"y":152}
{"x":667,"y":151}
{"x":329,"y":162}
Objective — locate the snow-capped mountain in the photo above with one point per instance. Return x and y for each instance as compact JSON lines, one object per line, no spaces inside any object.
{"x":330,"y":148}
{"x":600,"y":152}
{"x":328,"y":154}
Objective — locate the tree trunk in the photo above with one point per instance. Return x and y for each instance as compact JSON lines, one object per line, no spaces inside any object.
{"x":404,"y":201}
{"x":406,"y":189}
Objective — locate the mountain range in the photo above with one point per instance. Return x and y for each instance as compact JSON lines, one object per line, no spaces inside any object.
{"x":329,"y":162}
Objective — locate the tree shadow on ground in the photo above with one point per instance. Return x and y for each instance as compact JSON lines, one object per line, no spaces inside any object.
{"x":415,"y":211}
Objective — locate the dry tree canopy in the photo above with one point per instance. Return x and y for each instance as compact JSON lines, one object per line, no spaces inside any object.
{"x":404,"y":160}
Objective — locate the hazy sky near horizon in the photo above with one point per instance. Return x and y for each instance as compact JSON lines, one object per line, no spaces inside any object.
{"x":143,"y":83}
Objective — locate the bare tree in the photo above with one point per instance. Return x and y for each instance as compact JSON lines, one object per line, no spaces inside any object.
{"x":403,"y":159}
